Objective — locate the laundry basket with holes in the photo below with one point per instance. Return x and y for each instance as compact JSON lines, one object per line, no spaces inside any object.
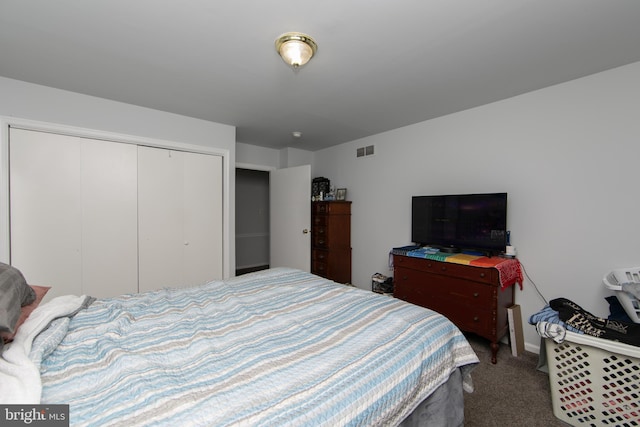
{"x":594,"y":381}
{"x":615,"y":282}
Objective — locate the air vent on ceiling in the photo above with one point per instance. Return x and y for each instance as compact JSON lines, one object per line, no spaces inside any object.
{"x":365,"y":151}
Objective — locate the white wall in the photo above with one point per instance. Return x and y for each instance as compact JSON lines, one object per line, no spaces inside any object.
{"x":568,"y":156}
{"x":262,"y":158}
{"x":22,"y":100}
{"x":292,"y":157}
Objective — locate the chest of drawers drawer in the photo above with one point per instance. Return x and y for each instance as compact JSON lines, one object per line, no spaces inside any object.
{"x":445,"y":287}
{"x":467,"y":272}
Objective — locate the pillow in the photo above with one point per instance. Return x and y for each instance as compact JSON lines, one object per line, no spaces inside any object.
{"x":14,"y":294}
{"x":40,"y":292}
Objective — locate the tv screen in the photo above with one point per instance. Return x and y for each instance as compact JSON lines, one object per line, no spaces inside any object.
{"x":476,"y":222}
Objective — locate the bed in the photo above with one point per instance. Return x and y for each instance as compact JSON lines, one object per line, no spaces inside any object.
{"x":276,"y":347}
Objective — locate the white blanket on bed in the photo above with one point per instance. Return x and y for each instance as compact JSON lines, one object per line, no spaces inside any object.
{"x":19,"y":376}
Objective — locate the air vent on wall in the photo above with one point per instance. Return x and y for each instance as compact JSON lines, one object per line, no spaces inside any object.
{"x":364,"y":151}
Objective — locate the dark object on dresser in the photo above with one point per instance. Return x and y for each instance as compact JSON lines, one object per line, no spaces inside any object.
{"x":320,"y":185}
{"x":331,"y":240}
{"x":471,"y":297}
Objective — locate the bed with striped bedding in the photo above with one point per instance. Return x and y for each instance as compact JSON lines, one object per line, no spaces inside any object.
{"x":272,"y":348}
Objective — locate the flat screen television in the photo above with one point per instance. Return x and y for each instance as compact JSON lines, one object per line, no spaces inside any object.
{"x":459,"y":222}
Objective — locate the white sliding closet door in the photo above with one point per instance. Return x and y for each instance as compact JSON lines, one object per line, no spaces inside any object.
{"x":73,"y":213}
{"x":180,"y":218}
{"x":109,"y":218}
{"x":202,"y":218}
{"x":45,"y":209}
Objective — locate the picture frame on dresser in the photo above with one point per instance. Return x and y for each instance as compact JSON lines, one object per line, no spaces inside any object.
{"x":341,"y":194}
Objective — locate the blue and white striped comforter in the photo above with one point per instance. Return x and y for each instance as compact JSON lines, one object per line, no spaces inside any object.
{"x":279,"y":347}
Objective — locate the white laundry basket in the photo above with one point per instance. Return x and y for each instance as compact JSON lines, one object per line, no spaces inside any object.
{"x":594,"y":382}
{"x":614,"y":282}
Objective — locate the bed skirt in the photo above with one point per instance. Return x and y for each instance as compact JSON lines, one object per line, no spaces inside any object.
{"x":443,"y":408}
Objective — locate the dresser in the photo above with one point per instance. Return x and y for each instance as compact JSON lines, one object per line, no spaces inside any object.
{"x":331,"y":240}
{"x":471,"y":297}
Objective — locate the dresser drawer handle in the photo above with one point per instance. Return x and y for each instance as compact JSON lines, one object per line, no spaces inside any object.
{"x":482,"y":274}
{"x":429,"y":265}
{"x":475,"y":295}
{"x":321,"y":256}
{"x":444,"y":268}
{"x":475,"y":318}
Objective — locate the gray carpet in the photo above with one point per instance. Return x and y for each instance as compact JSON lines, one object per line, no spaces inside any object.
{"x":510,"y":393}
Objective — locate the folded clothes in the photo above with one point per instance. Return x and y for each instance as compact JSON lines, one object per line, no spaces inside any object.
{"x":577,"y":317}
{"x":551,"y":330}
{"x":547,"y":314}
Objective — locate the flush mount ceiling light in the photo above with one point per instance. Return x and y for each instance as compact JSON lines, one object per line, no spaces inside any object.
{"x":296,"y":49}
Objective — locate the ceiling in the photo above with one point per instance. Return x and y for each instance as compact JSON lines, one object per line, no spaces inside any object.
{"x":380,"y":65}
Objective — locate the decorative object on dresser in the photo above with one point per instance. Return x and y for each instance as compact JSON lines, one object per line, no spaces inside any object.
{"x":472,"y":297}
{"x":331,"y":240}
{"x":319,"y":187}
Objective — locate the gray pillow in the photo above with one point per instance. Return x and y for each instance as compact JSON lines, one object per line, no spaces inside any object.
{"x":14,"y":293}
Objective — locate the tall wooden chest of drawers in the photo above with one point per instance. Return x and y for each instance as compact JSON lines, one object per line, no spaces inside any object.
{"x":471,"y":297}
{"x":331,"y":240}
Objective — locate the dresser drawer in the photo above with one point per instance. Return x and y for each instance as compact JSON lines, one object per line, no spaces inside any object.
{"x":331,"y":208}
{"x":470,"y":319}
{"x":478,"y":274}
{"x":319,"y":255}
{"x":319,"y":237}
{"x":319,"y":220}
{"x":319,"y":267}
{"x":429,"y":285}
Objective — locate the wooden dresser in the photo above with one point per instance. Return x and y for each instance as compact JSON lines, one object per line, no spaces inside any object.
{"x":331,"y":240}
{"x":469,"y":296}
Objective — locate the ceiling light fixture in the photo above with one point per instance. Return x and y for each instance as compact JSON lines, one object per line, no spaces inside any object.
{"x":296,"y":49}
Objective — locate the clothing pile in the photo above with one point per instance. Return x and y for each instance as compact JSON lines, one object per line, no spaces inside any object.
{"x":562,"y":314}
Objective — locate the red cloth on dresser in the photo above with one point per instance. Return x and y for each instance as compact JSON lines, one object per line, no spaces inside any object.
{"x":509,"y":270}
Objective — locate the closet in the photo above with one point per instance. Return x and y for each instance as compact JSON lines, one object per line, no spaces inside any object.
{"x":103,"y":218}
{"x":180,"y":216}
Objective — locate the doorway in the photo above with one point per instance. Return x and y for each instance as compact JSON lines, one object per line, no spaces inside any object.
{"x":252,"y":220}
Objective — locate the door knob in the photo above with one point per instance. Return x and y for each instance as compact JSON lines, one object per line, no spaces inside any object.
{"x":305,"y":231}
